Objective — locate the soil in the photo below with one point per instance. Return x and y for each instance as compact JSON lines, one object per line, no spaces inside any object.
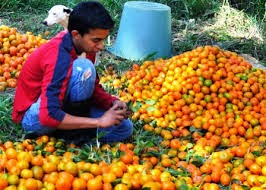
{"x":254,"y":62}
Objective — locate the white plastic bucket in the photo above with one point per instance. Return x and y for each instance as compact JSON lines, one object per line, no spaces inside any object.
{"x":144,"y":30}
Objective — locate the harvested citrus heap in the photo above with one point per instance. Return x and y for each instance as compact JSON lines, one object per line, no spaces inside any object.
{"x":207,"y":87}
{"x":204,"y":118}
{"x":213,"y":99}
{"x":14,"y":50}
{"x":210,"y":89}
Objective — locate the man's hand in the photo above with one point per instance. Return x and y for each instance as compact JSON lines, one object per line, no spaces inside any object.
{"x":112,"y":117}
{"x":123,"y":106}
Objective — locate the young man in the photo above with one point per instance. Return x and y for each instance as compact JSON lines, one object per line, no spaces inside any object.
{"x":59,"y":94}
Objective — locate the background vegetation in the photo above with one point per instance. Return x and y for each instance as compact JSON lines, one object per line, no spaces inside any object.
{"x":237,"y":25}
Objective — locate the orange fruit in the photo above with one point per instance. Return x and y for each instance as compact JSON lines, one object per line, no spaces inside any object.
{"x":3,"y":183}
{"x":127,"y":158}
{"x":152,"y":185}
{"x":31,"y":184}
{"x":108,"y":177}
{"x":95,"y":184}
{"x":71,"y":167}
{"x":26,"y":173}
{"x":37,"y":172}
{"x":168,"y":185}
{"x":95,"y":169}
{"x":225,"y":179}
{"x":11,"y":153}
{"x":255,"y":169}
{"x":79,"y":184}
{"x":13,"y":179}
{"x":263,"y":170}
{"x":37,"y":160}
{"x":49,"y":167}
{"x":107,"y":186}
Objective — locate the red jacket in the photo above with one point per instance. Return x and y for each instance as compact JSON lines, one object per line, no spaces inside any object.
{"x":46,"y":74}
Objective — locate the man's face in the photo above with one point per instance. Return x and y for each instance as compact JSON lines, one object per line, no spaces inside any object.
{"x":91,"y":42}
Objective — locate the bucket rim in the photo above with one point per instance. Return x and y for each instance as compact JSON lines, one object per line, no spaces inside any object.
{"x":147,"y":5}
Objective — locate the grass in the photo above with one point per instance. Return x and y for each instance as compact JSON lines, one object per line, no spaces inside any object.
{"x":230,"y":29}
{"x":9,"y":130}
{"x":238,"y":27}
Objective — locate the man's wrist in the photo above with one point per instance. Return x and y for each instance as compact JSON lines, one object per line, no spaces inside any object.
{"x":98,"y":122}
{"x":113,"y":102}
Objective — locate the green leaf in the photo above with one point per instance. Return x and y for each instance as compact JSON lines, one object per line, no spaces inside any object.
{"x":45,"y":153}
{"x":137,"y":106}
{"x":189,"y":155}
{"x":151,"y":108}
{"x":60,"y":144}
{"x":60,"y":152}
{"x":153,"y":153}
{"x":76,"y":159}
{"x":224,"y":187}
{"x":39,"y":147}
{"x":150,"y":102}
{"x":177,"y":173}
{"x":129,"y":104}
{"x":149,"y":56}
{"x":116,"y":181}
{"x":198,"y":160}
{"x":73,"y":150}
{"x":236,"y":181}
{"x":256,"y":153}
{"x":192,"y":129}
{"x":245,"y":187}
{"x":184,"y":187}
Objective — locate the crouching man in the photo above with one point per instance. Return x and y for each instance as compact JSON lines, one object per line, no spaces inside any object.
{"x":59,"y":94}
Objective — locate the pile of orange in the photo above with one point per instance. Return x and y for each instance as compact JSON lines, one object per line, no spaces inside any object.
{"x":211,"y":103}
{"x":207,"y":88}
{"x":207,"y":105}
{"x":14,"y":50}
{"x":43,"y":164}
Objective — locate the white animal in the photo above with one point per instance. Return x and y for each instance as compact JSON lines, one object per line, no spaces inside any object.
{"x":58,"y":14}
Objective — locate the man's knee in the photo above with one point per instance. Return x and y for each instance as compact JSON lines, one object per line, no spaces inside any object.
{"x":84,"y":68}
{"x":82,"y":80}
{"x":127,"y":128}
{"x":82,"y":64}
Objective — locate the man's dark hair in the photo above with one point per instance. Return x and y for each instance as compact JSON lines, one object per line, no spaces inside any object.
{"x":89,"y":15}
